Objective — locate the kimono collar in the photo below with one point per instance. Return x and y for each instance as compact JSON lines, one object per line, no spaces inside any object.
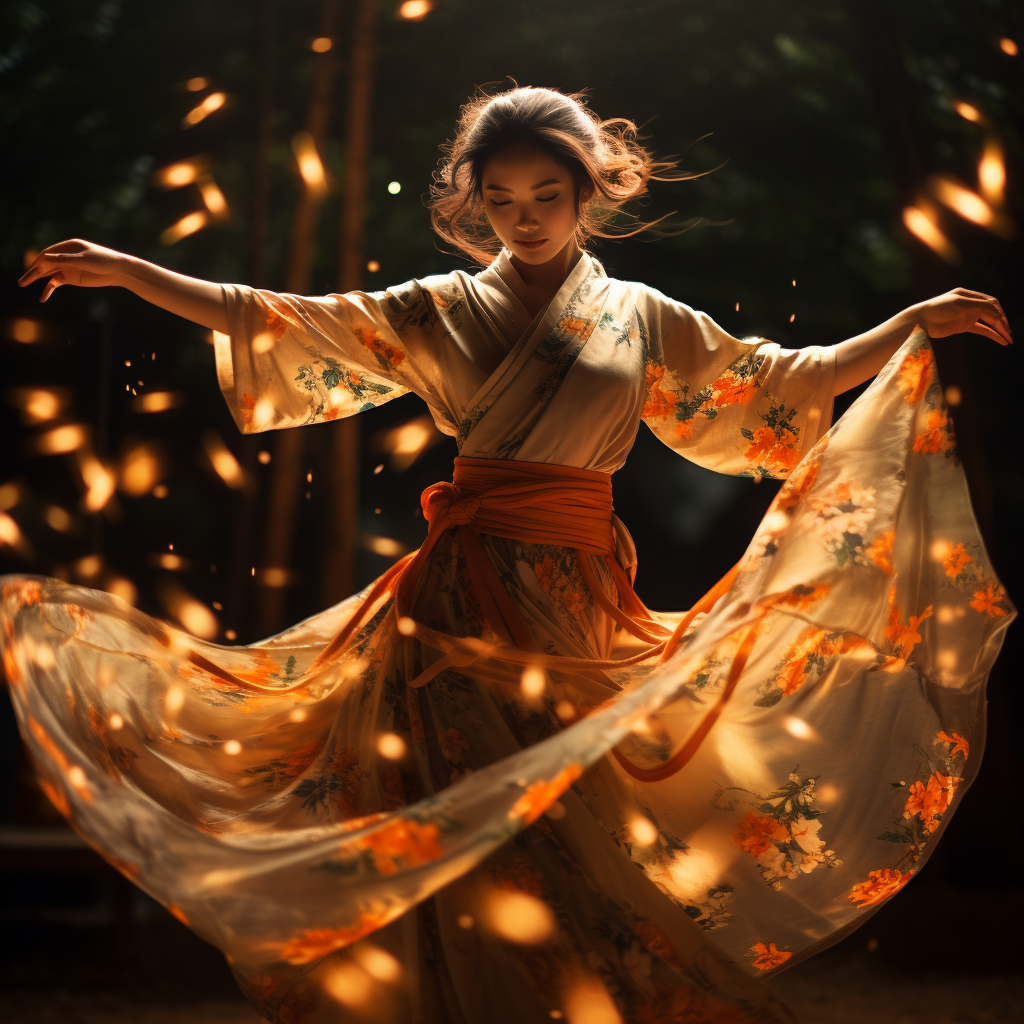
{"x":504,"y":275}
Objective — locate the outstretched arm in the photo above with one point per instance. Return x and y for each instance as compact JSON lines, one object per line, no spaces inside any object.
{"x":956,"y":312}
{"x":88,"y":265}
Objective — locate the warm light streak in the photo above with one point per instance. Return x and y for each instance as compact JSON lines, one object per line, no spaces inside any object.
{"x":297,"y":715}
{"x":38,"y":405}
{"x":407,"y":442}
{"x":199,"y":113}
{"x":192,"y":614}
{"x":391,"y":746}
{"x":174,"y":701}
{"x":920,"y":225}
{"x":115,"y":721}
{"x":1008,"y":46}
{"x":213,"y":197}
{"x":225,"y":465}
{"x":382,"y":545}
{"x":60,"y":440}
{"x":11,"y":535}
{"x":141,"y":470}
{"x":178,"y":175}
{"x":643,"y":831}
{"x":25,"y":331}
{"x":693,"y":873}
{"x":940,"y":550}
{"x":946,"y":660}
{"x":158,"y":401}
{"x":414,"y":10}
{"x":99,"y":482}
{"x":311,"y":168}
{"x":798,"y":727}
{"x":232,"y":747}
{"x":197,"y":84}
{"x":968,"y":112}
{"x":263,"y":414}
{"x":57,"y":519}
{"x":992,"y":173}
{"x":963,"y":201}
{"x":168,"y":561}
{"x":216,"y":338}
{"x":188,"y":225}
{"x":588,"y":1002}
{"x":321,"y":44}
{"x":275,"y":577}
{"x":88,"y":568}
{"x":520,"y":917}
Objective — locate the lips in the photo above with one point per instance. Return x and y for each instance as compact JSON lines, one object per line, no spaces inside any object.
{"x":534,"y":243}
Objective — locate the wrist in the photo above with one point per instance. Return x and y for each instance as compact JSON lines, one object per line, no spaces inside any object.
{"x":129,"y":271}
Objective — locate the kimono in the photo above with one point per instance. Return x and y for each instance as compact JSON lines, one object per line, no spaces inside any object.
{"x":520,"y":844}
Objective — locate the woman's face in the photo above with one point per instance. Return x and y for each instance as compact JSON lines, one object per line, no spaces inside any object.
{"x":530,"y":201}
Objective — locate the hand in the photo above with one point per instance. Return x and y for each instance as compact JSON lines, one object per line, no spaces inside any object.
{"x":960,"y":311}
{"x":75,"y":262}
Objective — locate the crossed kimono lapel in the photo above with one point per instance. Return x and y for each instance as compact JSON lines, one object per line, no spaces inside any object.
{"x":552,"y":342}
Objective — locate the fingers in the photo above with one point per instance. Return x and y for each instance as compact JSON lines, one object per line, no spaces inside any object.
{"x":987,"y":332}
{"x":992,"y":309}
{"x":51,"y":286}
{"x":999,"y":326}
{"x":44,"y":265}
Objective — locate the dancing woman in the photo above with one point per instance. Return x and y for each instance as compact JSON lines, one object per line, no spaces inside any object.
{"x":493,"y":785}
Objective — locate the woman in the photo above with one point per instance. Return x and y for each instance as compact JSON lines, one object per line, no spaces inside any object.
{"x":343,"y":808}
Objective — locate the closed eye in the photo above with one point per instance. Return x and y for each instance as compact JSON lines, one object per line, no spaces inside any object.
{"x":547,"y":199}
{"x":508,"y":202}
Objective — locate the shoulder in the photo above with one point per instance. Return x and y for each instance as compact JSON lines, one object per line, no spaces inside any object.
{"x":421,"y":301}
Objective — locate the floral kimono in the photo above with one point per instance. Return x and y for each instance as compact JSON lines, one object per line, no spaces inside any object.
{"x":629,"y":838}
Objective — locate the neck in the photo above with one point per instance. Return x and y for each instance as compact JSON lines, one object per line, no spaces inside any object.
{"x":546,"y":278}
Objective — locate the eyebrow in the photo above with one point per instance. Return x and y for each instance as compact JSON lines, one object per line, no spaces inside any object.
{"x":533,"y":188}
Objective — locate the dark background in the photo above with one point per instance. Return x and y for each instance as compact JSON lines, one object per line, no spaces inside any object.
{"x":824,"y":119}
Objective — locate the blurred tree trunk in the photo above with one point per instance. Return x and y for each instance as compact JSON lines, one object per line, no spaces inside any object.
{"x":287,"y":483}
{"x":339,"y":577}
{"x":259,"y":226}
{"x":881,"y":59}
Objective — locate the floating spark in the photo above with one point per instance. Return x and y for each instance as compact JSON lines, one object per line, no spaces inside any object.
{"x":414,"y":10}
{"x":968,"y":112}
{"x":520,"y":917}
{"x":224,"y":464}
{"x":25,"y":331}
{"x":188,"y":225}
{"x":311,"y":167}
{"x":920,"y":225}
{"x":212,"y":102}
{"x":141,"y":470}
{"x":60,"y":440}
{"x":158,"y":401}
{"x":992,"y":173}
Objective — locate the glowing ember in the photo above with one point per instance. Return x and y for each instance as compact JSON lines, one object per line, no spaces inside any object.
{"x":465,"y":921}
{"x":963,"y":201}
{"x":212,"y":102}
{"x":533,"y":681}
{"x":310,"y":166}
{"x":920,"y":225}
{"x":1008,"y":46}
{"x":197,"y":84}
{"x":232,"y":747}
{"x":378,"y":963}
{"x":382,"y":545}
{"x":122,"y":588}
{"x":519,"y":917}
{"x":99,"y":482}
{"x":349,"y":985}
{"x":178,"y":175}
{"x":405,"y":625}
{"x":230,"y":634}
{"x":798,"y":727}
{"x":172,"y":563}
{"x":565,"y":710}
{"x":263,"y":343}
{"x":174,"y":701}
{"x":192,"y":614}
{"x":275,"y":577}
{"x":61,"y":440}
{"x":953,"y":395}
{"x":10,"y":495}
{"x":116,"y":721}
{"x":38,"y":405}
{"x":225,"y":465}
{"x":407,"y":442}
{"x":158,"y":401}
{"x":391,"y":746}
{"x":57,"y":519}
{"x":25,"y":331}
{"x":968,"y":112}
{"x":992,"y":173}
{"x":141,"y":469}
{"x":88,"y":568}
{"x":373,"y":266}
{"x":262,"y":414}
{"x":263,"y":458}
{"x":297,"y":715}
{"x":940,"y":550}
{"x":588,"y":1002}
{"x":160,"y":491}
{"x":188,"y":225}
{"x":643,"y":831}
{"x":414,"y":10}
{"x":213,"y":198}
{"x":321,"y":44}
{"x":377,"y":469}
{"x":76,"y":777}
{"x":11,"y":535}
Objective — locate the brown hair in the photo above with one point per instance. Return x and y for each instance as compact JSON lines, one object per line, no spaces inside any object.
{"x":608,"y":165}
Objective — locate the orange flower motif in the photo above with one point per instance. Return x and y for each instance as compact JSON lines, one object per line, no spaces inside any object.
{"x":799,"y":598}
{"x":684,"y":428}
{"x":545,"y":570}
{"x":915,"y":374}
{"x":755,"y":834}
{"x":879,"y":887}
{"x":659,"y":403}
{"x":988,"y":600}
{"x":56,"y":755}
{"x":731,"y":389}
{"x":957,"y":559}
{"x":904,"y":638}
{"x":931,"y":800}
{"x":380,"y":348}
{"x":318,"y":942}
{"x":959,"y":743}
{"x":936,"y":436}
{"x":574,"y":603}
{"x":773,"y":452}
{"x":402,"y":843}
{"x":520,"y":879}
{"x":56,"y":797}
{"x":768,"y":957}
{"x":880,"y":550}
{"x":794,"y":672}
{"x":541,"y":795}
{"x":248,"y":408}
{"x":572,"y":324}
{"x":79,"y":616}
{"x":799,"y":482}
{"x":261,"y":672}
{"x":453,"y":744}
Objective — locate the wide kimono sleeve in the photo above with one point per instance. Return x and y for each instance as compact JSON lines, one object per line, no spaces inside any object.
{"x":746,"y":407}
{"x":289,"y":359}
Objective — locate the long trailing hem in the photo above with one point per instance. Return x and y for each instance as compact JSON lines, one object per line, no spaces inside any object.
{"x":785,"y":770}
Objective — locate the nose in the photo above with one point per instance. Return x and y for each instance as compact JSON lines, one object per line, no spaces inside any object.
{"x":527,"y":222}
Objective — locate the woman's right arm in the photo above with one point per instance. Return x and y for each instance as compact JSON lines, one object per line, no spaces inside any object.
{"x":88,"y":265}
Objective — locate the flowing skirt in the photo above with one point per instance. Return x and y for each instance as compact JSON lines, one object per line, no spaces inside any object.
{"x":501,"y":845}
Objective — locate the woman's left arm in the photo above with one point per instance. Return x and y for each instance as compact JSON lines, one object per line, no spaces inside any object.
{"x":956,"y":312}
